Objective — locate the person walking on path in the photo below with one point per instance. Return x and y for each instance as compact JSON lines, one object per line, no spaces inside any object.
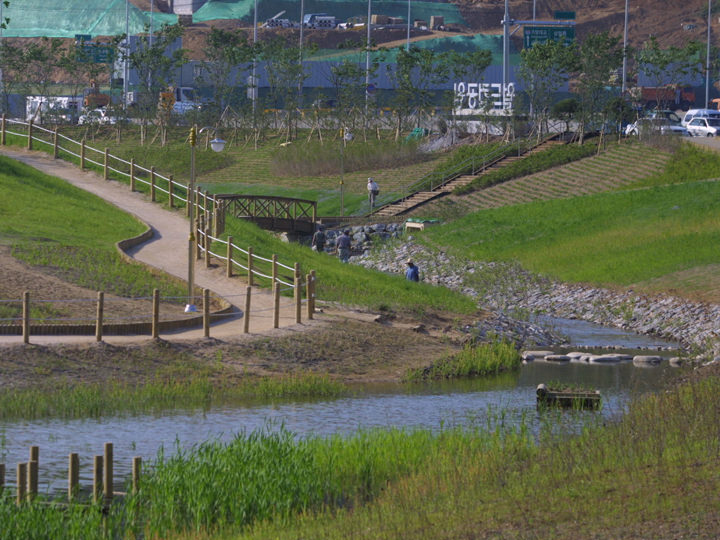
{"x":343,"y":246}
{"x":319,"y":239}
{"x":413,"y":272}
{"x":373,"y":190}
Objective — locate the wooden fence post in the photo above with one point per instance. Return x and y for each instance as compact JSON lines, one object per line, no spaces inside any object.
{"x":276,"y":303}
{"x":308,"y":295}
{"x":297,"y":292}
{"x":73,"y":475}
{"x":99,"y":317}
{"x":136,"y":470}
{"x":313,"y":283}
{"x":108,"y":473}
{"x":132,"y":174}
{"x":229,"y":269}
{"x":207,"y":242}
{"x":274,"y":270}
{"x":206,"y":313}
{"x":198,"y":228}
{"x":26,"y":317}
{"x":35,"y":453}
{"x":97,"y":477}
{"x":21,"y":483}
{"x":152,"y":184}
{"x":2,"y":133}
{"x":30,"y":130}
{"x":106,"y":164}
{"x":250,"y":265}
{"x":32,"y":480}
{"x":55,"y":143}
{"x":82,"y":155}
{"x":171,"y":203}
{"x":246,"y":322}
{"x":156,"y":314}
{"x":189,"y":201}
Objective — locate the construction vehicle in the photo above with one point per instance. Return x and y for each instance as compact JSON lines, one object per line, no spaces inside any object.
{"x":94,"y":99}
{"x":671,"y":95}
{"x":179,"y":99}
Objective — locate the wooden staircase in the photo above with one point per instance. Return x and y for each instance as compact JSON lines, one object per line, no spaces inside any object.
{"x":421,"y":197}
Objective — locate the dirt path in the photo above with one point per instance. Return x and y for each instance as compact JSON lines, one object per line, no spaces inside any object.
{"x":167,"y":251}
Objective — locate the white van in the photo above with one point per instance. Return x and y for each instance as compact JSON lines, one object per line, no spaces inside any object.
{"x":698,"y":113}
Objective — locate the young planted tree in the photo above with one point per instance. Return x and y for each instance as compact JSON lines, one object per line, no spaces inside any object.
{"x":544,"y":69}
{"x":41,"y":59}
{"x":592,"y":65}
{"x":468,"y":66}
{"x":669,"y":68}
{"x":348,"y":80}
{"x":285,"y":76}
{"x":12,"y":67}
{"x":228,"y":55}
{"x":155,"y":62}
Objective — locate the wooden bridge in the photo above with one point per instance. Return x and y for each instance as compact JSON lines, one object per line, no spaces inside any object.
{"x":274,"y":213}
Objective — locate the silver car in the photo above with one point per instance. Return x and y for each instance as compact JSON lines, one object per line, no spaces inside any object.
{"x":655,"y":125}
{"x":704,"y":127}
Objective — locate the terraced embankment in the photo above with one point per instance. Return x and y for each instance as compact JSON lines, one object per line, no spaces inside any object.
{"x":621,"y":165}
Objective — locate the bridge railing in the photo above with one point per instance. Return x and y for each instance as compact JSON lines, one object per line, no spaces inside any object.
{"x":159,"y":187}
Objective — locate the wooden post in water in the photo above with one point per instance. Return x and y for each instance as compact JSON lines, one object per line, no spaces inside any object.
{"x":297,"y":291}
{"x":206,"y":313}
{"x":136,"y":470}
{"x":106,"y":164}
{"x":73,"y":475}
{"x":308,"y":296}
{"x":156,"y":314}
{"x":229,"y":268}
{"x":35,"y":453}
{"x":55,"y":143}
{"x":82,"y":155}
{"x":26,"y":317}
{"x":246,"y":322}
{"x":97,"y":478}
{"x":250,"y":265}
{"x":152,"y":184}
{"x":171,"y":203}
{"x":21,"y":483}
{"x":108,"y":473}
{"x":30,"y":131}
{"x":99,"y":317}
{"x":132,"y":174}
{"x":276,"y":303}
{"x":32,"y":480}
{"x":2,"y":477}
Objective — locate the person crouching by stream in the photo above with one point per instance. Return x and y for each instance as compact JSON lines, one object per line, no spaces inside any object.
{"x":413,"y":272}
{"x":343,"y":246}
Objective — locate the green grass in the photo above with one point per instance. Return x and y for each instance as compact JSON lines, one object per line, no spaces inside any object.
{"x":615,"y":238}
{"x":52,"y":224}
{"x":351,"y":284}
{"x":690,"y":162}
{"x":117,"y":397}
{"x":472,"y":361}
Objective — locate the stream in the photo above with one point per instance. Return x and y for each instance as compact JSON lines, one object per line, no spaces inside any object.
{"x":432,"y":406}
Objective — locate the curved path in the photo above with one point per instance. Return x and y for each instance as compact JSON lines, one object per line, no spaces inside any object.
{"x":166,"y":250}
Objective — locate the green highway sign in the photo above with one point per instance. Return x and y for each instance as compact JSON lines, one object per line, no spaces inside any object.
{"x":564,"y":15}
{"x":98,"y":54}
{"x":542,"y":34}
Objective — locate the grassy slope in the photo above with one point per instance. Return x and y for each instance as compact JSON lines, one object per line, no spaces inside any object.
{"x":51,"y":223}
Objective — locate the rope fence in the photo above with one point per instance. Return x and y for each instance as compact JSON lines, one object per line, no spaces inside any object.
{"x":208,"y":224}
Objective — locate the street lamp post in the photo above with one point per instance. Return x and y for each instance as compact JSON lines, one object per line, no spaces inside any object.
{"x":217,"y":145}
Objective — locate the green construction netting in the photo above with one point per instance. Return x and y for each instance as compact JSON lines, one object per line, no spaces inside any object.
{"x":341,"y":9}
{"x":455,"y":43}
{"x":55,"y":18}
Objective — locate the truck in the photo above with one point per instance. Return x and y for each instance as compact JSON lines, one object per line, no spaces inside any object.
{"x":319,"y":20}
{"x":53,"y":109}
{"x":182,"y":99}
{"x":671,"y":95}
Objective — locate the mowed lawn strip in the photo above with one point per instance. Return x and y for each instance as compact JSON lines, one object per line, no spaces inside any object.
{"x":612,"y":238}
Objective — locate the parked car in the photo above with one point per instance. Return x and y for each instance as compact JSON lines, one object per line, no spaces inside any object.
{"x":96,"y":116}
{"x":704,"y":127}
{"x":655,"y":125}
{"x":699,"y":113}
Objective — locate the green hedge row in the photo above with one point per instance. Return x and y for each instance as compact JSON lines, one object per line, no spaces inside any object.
{"x":546,"y":159}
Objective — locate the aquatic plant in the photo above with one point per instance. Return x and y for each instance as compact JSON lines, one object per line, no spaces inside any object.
{"x":471,"y":361}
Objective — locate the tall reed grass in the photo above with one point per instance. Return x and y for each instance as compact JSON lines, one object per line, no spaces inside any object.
{"x":471,"y":361}
{"x":114,"y":397}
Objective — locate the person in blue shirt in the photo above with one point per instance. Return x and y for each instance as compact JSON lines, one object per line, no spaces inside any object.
{"x":413,"y":272}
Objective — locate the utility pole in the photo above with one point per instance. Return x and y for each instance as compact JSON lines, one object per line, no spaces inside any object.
{"x":367,"y":57}
{"x":126,"y":71}
{"x":624,"y":66}
{"x":407,"y":45}
{"x":707,"y":60}
{"x":506,"y":22}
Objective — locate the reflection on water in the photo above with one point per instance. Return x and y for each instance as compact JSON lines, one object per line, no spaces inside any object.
{"x":432,"y":406}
